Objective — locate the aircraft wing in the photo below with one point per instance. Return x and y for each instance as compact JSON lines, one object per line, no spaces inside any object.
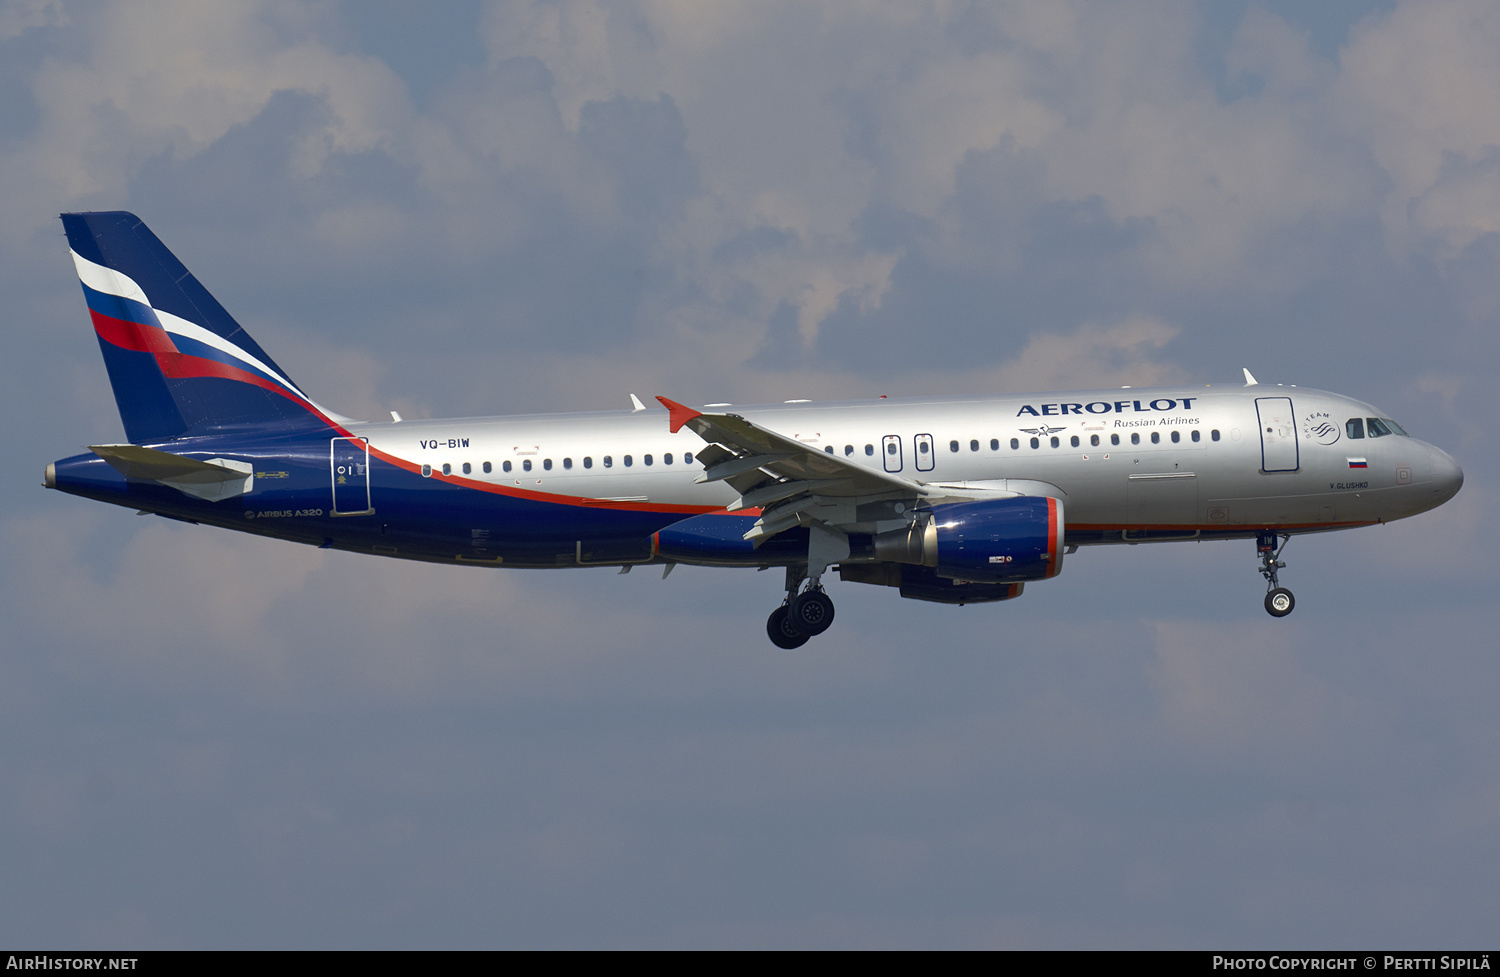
{"x":790,"y":482}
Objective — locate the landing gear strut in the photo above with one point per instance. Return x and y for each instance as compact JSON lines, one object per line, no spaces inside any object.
{"x":800,"y":616}
{"x":1279,"y":600}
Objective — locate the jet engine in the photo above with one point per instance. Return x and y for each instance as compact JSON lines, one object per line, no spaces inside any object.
{"x":994,"y":541}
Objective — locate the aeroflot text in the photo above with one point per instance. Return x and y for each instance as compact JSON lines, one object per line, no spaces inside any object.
{"x":1106,"y":407}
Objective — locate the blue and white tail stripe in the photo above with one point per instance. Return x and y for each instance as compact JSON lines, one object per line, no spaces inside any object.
{"x":113,"y":294}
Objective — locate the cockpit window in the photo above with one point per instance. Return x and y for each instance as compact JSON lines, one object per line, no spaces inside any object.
{"x":1395,"y":428}
{"x":1355,"y":427}
{"x":1376,"y":427}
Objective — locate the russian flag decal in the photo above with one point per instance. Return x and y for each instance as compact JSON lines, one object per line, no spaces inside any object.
{"x":1358,"y":463}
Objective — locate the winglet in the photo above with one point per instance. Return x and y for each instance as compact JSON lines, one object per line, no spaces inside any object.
{"x":678,"y":414}
{"x":636,"y":405}
{"x":1250,"y":381}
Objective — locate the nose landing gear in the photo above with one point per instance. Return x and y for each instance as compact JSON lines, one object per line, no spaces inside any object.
{"x":1279,"y":600}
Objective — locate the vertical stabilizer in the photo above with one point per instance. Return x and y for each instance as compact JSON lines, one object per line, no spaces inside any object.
{"x":178,"y":362}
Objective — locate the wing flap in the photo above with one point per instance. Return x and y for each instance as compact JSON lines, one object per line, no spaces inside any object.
{"x":795,"y":484}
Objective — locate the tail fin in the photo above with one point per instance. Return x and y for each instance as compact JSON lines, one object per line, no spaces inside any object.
{"x":178,"y":362}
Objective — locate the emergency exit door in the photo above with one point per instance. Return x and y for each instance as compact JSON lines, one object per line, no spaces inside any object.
{"x":890,"y":449}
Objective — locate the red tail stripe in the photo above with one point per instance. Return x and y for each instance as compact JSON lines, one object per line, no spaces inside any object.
{"x":132,"y":335}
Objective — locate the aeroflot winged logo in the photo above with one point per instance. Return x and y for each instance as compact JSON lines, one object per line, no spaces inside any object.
{"x":1107,"y":407}
{"x":1044,"y":430}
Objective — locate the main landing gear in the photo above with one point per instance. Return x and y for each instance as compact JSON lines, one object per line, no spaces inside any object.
{"x":1279,"y":600}
{"x":801,"y":616}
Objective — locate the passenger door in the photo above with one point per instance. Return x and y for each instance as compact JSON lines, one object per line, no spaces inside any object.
{"x":349,"y":464}
{"x":1278,"y":434}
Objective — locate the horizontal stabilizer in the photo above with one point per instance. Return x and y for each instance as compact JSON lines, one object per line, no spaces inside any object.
{"x":215,"y":479}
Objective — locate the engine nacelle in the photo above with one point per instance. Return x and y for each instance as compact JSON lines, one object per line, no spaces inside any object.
{"x":923,"y":583}
{"x":996,"y":541}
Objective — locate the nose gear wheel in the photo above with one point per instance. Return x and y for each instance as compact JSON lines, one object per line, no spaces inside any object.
{"x":1279,"y":600}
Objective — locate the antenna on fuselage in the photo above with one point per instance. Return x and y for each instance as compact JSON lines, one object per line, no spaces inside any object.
{"x":1250,"y":381}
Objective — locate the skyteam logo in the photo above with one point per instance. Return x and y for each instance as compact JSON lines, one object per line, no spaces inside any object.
{"x":1320,"y":427}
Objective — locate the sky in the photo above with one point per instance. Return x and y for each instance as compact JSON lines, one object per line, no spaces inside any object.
{"x":215,"y":741}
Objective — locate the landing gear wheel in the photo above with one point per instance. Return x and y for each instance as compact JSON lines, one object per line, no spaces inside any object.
{"x":811,"y":612}
{"x":1279,"y":602}
{"x":782,"y":633}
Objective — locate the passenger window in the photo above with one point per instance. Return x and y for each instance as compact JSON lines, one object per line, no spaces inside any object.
{"x":974,"y":445}
{"x":506,"y":466}
{"x":567,"y":462}
{"x":666,"y":459}
{"x":869,"y":449}
{"x":608,"y":462}
{"x":426,"y":471}
{"x":994,"y":444}
{"x":1355,"y":427}
{"x":628,"y":461}
{"x":1074,"y":441}
{"x":1176,"y":436}
{"x":687,"y":457}
{"x":1135,"y":438}
{"x":588,"y":461}
{"x":447,"y":469}
{"x":547,"y":464}
{"x":828,"y":448}
{"x":488,"y":468}
{"x":1114,"y":439}
{"x":953,"y":446}
{"x":1156,"y":437}
{"x":1376,"y":427}
{"x":1035,"y":443}
{"x":1213,"y":435}
{"x":1094,"y":441}
{"x":1014,"y":443}
{"x":890,"y":449}
{"x":467,"y":468}
{"x":647,"y":460}
{"x":1055,"y":441}
{"x":848,"y":450}
{"x":1197,"y":436}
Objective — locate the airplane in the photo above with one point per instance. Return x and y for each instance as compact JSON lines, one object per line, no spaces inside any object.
{"x":946,"y":499}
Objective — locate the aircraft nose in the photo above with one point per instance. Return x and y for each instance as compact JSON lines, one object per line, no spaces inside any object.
{"x":1447,"y":477}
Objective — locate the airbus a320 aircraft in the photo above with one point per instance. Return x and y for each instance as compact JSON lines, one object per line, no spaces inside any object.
{"x":958,"y":501}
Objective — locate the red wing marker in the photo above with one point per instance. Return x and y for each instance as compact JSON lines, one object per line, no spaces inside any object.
{"x":678,"y":414}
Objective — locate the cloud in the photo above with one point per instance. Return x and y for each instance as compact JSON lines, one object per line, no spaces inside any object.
{"x":19,"y":16}
{"x":175,"y":77}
